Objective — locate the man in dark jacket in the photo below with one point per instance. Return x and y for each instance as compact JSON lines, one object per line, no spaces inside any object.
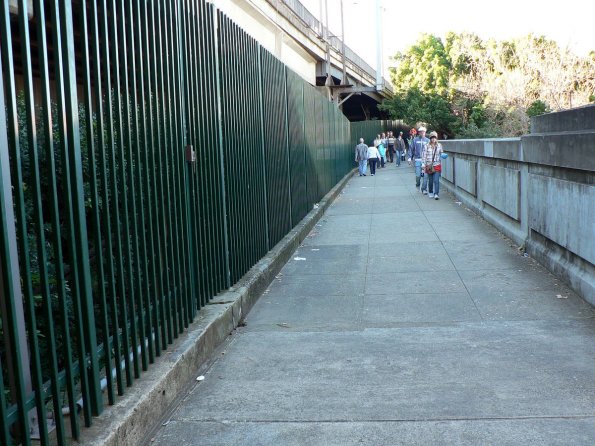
{"x":415,"y":150}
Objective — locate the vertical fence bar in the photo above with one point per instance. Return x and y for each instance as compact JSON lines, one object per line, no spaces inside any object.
{"x":136,"y":172}
{"x":168,"y":141}
{"x":225,"y":136}
{"x":146,"y":14}
{"x":119,"y":196}
{"x":13,"y":320}
{"x":95,"y":201}
{"x":90,"y":364}
{"x":62,"y":280}
{"x":37,"y":223}
{"x":179,"y":48}
{"x":130,"y":235}
{"x":224,"y":212}
{"x":203,"y":150}
{"x":165,"y":297}
{"x":263,"y":155}
{"x":22,"y":383}
{"x":212,"y":233}
{"x":111,"y":195}
{"x":285,"y":99}
{"x":188,"y":108}
{"x":195,"y":131}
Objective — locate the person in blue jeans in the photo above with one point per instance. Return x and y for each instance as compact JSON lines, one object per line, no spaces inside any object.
{"x":415,"y":150}
{"x":432,"y":162}
{"x":361,"y":157}
{"x":382,"y":152}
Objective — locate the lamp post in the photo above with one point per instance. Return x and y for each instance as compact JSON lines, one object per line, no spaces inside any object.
{"x":344,"y":78}
{"x":378,"y":47}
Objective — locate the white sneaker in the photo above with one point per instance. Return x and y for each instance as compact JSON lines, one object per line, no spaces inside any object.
{"x":425,"y":192}
{"x":431,"y":195}
{"x":436,"y":197}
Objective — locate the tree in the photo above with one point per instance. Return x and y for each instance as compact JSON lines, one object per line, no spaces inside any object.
{"x":474,"y":87}
{"x":425,"y":66}
{"x":414,"y":106}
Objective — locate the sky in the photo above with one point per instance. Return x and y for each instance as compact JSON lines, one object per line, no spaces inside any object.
{"x":569,"y":22}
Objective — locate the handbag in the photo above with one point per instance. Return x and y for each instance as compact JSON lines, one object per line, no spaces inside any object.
{"x":431,"y":168}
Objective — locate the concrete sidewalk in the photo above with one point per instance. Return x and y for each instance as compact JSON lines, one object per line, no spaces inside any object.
{"x":401,"y":321}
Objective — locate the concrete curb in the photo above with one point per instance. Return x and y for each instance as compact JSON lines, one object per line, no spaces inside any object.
{"x":133,"y":417}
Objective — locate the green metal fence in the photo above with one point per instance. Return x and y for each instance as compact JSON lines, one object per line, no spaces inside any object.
{"x":369,"y":129}
{"x":112,"y":237}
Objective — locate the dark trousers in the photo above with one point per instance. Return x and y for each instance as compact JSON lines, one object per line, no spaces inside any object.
{"x":391,"y":154}
{"x":373,"y":165}
{"x":381,"y":161}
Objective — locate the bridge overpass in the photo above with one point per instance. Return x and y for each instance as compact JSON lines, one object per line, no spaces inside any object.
{"x":295,"y":36}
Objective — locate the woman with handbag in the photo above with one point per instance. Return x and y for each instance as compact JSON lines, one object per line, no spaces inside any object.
{"x":431,"y":157}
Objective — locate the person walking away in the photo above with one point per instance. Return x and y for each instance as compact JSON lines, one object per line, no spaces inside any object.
{"x":361,"y":157}
{"x":432,"y":159}
{"x":373,"y":157}
{"x":377,"y":141}
{"x":415,"y":151}
{"x":406,"y":144}
{"x":390,"y":141}
{"x":400,"y":145}
{"x":382,"y":151}
{"x":412,"y":133}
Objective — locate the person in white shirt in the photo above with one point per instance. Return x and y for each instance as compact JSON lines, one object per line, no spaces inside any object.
{"x":373,"y":157}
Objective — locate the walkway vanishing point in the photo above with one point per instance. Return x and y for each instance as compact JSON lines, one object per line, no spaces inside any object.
{"x":401,"y":321}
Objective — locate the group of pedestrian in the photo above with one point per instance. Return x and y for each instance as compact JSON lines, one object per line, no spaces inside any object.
{"x":365,"y":155}
{"x":426,"y":154}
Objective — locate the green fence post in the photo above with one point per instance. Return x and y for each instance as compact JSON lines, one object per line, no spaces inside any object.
{"x":78,"y":202}
{"x":13,"y":319}
{"x":220,"y":142}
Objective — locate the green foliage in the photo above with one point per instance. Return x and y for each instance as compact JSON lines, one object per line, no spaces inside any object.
{"x":537,"y":108}
{"x":414,"y":106}
{"x":467,"y":87}
{"x":424,"y":67}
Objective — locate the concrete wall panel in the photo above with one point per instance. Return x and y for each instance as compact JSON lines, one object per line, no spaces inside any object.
{"x":500,"y":188}
{"x":564,"y":212}
{"x":466,"y":175}
{"x":448,"y":172}
{"x":576,"y":151}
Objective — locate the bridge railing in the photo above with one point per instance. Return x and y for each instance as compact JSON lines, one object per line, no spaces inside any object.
{"x":537,"y":189}
{"x":134,"y":187}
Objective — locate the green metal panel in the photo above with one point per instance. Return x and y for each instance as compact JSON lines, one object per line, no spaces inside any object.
{"x":276,"y":152}
{"x":297,"y":146}
{"x":369,"y":129}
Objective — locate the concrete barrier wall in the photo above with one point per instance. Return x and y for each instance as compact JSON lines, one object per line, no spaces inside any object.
{"x":539,"y":190}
